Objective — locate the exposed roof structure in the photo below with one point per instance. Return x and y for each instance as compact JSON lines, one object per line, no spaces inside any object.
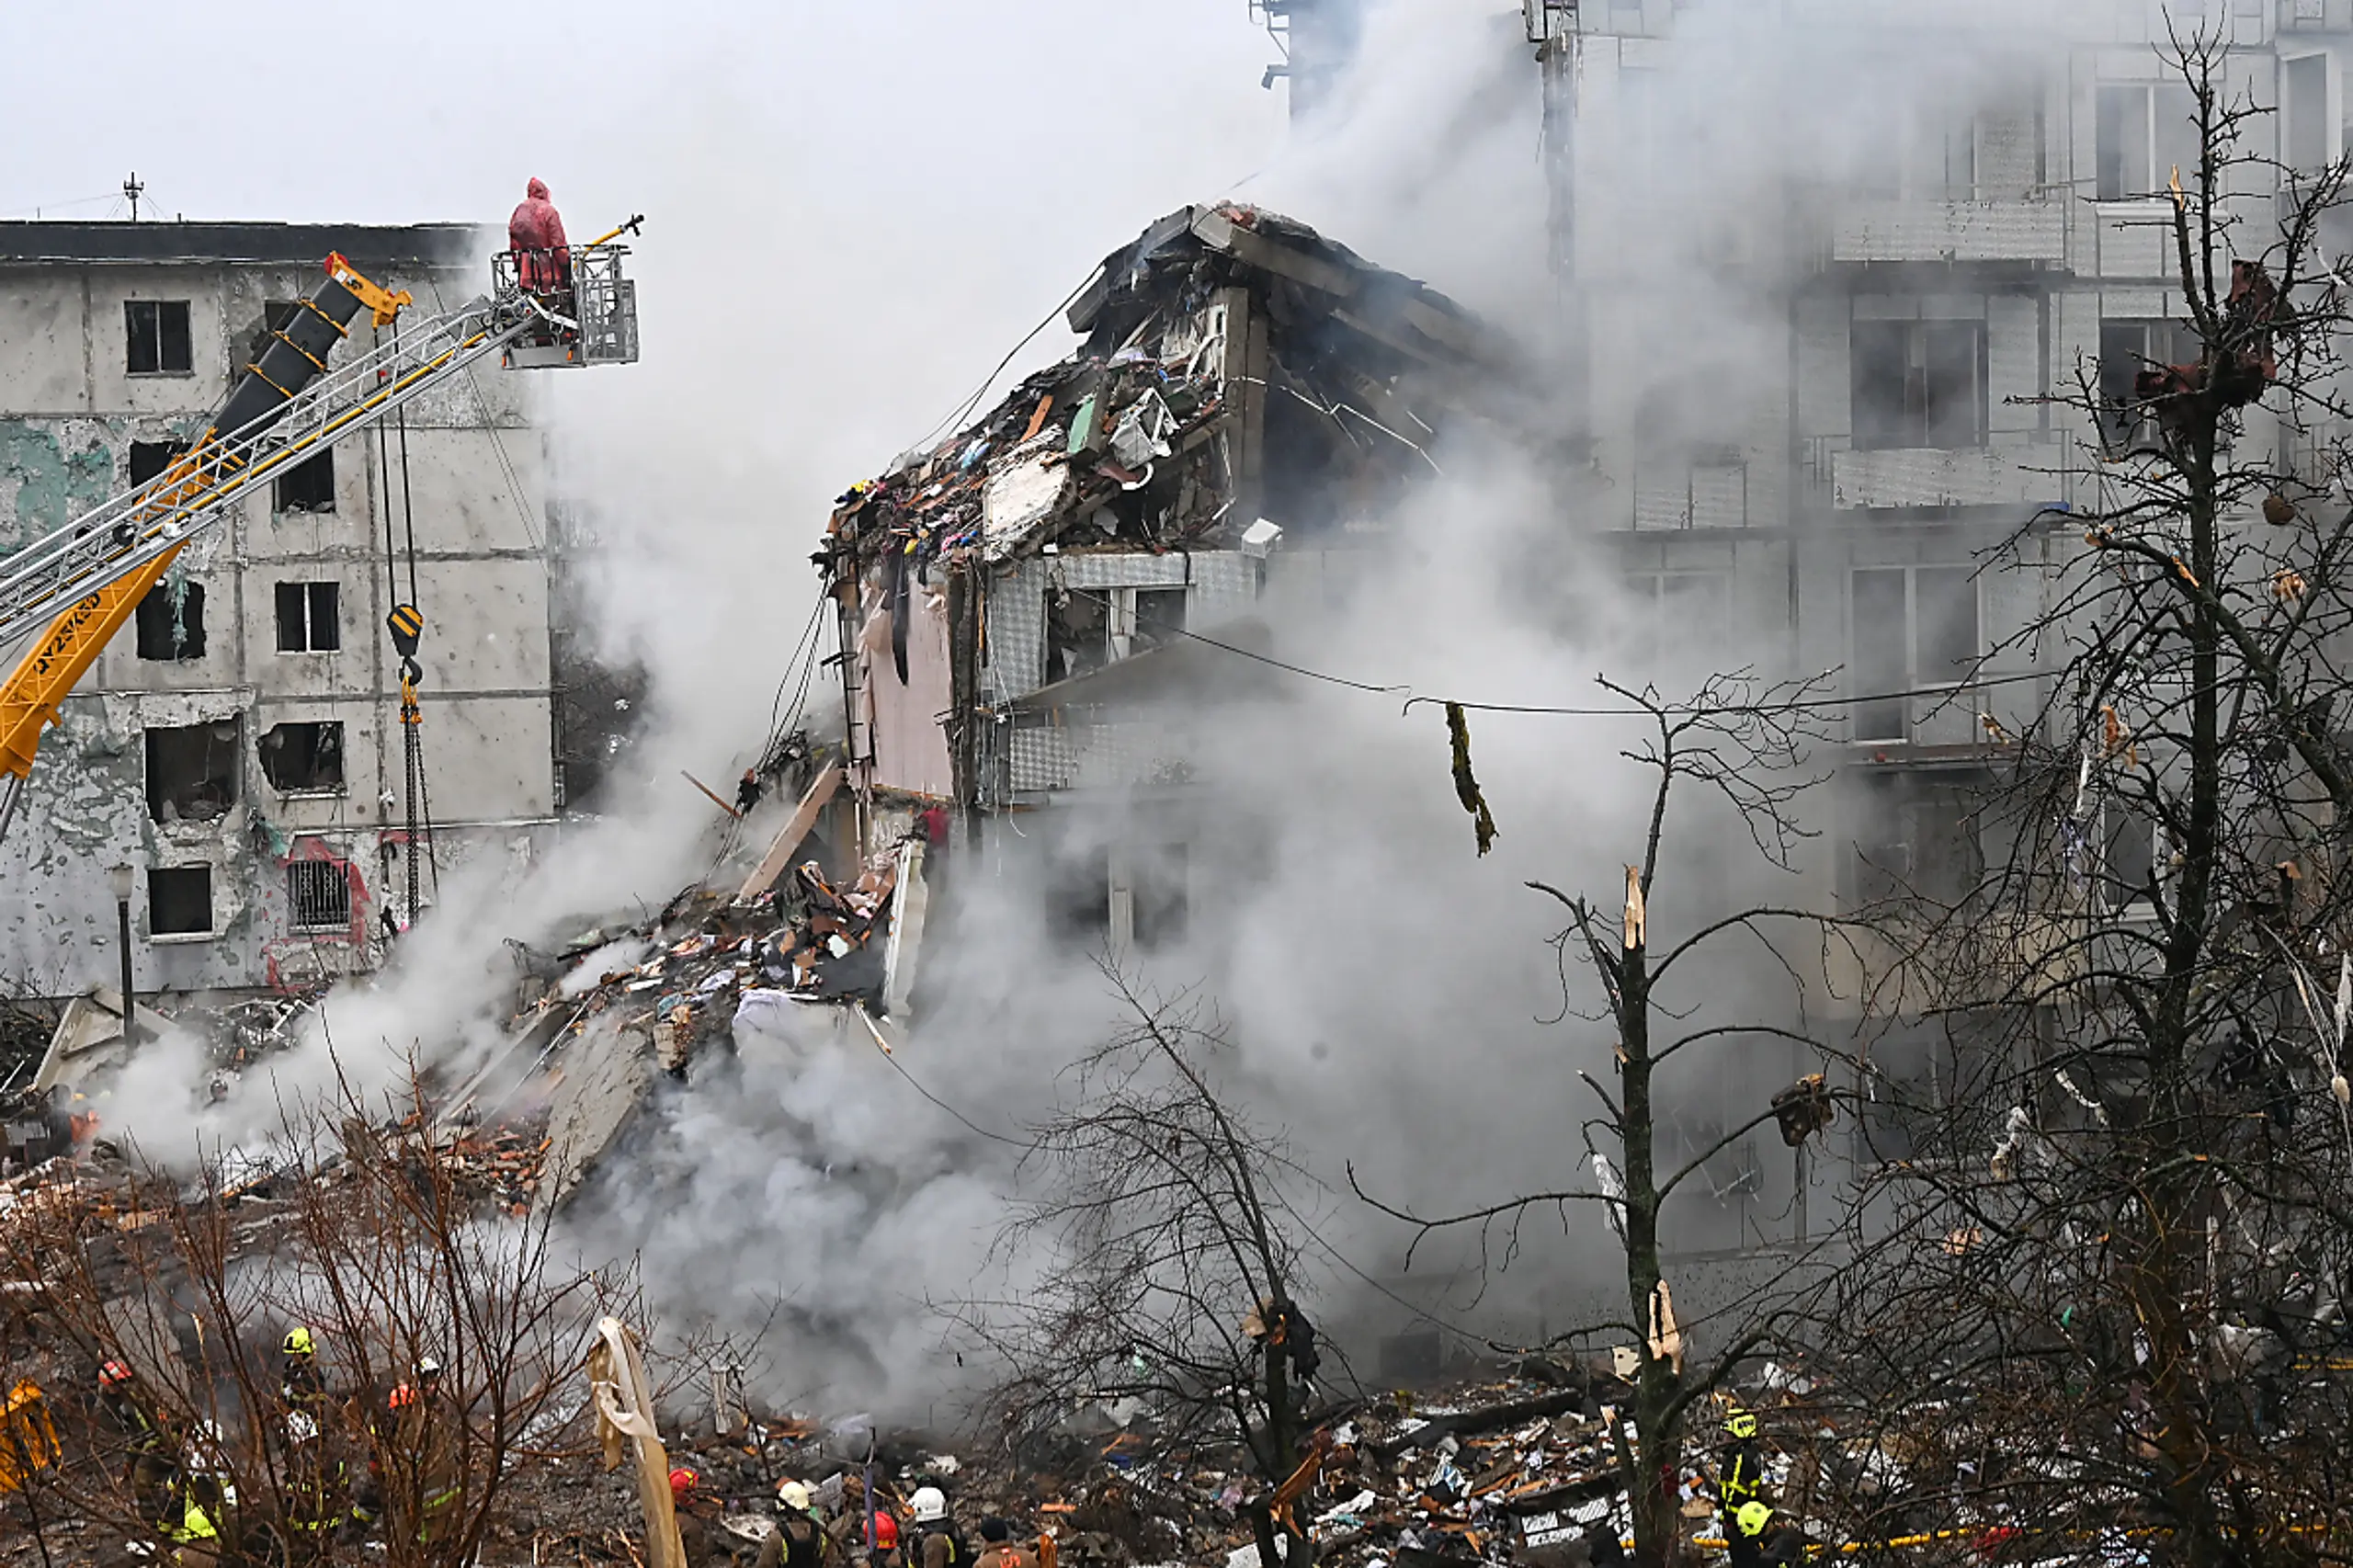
{"x":1166,"y":431}
{"x":421,"y":244}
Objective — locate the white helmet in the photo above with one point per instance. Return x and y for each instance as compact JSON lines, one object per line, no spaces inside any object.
{"x":792,"y":1495}
{"x":930,"y":1504}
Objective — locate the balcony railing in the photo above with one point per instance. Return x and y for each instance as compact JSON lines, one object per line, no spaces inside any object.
{"x":2021,"y":475}
{"x":1982,"y":232}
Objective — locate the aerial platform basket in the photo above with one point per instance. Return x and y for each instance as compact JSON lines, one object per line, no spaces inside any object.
{"x":589,"y":308}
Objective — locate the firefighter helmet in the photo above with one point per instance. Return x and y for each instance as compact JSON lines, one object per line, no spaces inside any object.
{"x":403,"y":1396}
{"x":298,"y":1341}
{"x":1752,"y":1518}
{"x":426,"y":1367}
{"x":930,"y":1505}
{"x":1739,"y":1423}
{"x":113,"y":1374}
{"x":791,"y":1494}
{"x":682,"y":1484}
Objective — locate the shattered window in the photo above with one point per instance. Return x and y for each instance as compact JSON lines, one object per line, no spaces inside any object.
{"x":309,"y":617}
{"x":1669,"y":605}
{"x":1160,"y":895}
{"x":2306,"y":136}
{"x":1912,"y":627}
{"x":1078,"y":911}
{"x":149,"y":458}
{"x":318,"y":895}
{"x":1680,"y":594}
{"x":157,"y":338}
{"x":1918,"y":836}
{"x":308,"y":486}
{"x":2145,"y":132}
{"x":2126,"y":348}
{"x":179,"y":901}
{"x":1919,"y":383}
{"x":1945,"y":621}
{"x":303,"y":757}
{"x":170,"y":621}
{"x":1159,"y":617}
{"x":1078,"y":633}
{"x":1880,"y":662}
{"x":2128,"y":872}
{"x":192,"y":771}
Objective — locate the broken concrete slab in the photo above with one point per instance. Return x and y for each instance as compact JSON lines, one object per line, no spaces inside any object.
{"x":89,"y":1039}
{"x":603,"y":1081}
{"x":787,"y":839}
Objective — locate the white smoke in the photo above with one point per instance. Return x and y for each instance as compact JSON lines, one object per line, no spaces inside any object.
{"x":812,"y":303}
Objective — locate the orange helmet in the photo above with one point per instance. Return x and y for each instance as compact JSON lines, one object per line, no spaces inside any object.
{"x":112,"y":1374}
{"x":682,"y":1484}
{"x":403,"y":1397}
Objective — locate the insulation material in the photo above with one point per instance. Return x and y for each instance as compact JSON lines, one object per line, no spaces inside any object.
{"x":910,"y":746}
{"x":626,"y":1429}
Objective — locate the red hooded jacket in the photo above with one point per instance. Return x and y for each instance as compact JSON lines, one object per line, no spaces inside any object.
{"x":536,"y":232}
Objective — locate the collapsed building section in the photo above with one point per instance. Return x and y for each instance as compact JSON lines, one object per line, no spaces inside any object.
{"x":1249,"y":390}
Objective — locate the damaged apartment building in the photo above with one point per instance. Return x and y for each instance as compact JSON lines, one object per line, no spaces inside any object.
{"x":239,"y":748}
{"x":1827,"y":479}
{"x":1028,"y":611}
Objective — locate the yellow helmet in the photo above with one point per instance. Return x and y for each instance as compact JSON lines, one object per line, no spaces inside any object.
{"x":1753,"y":1518}
{"x":1741,"y":1424}
{"x":298,"y":1341}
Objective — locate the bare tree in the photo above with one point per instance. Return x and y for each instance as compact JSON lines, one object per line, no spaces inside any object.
{"x":1740,"y":741}
{"x":1177,"y":1274}
{"x":372,"y":1238}
{"x":2116,"y":1229}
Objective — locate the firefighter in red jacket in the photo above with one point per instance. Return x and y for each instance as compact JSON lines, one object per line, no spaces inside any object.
{"x":543,"y":255}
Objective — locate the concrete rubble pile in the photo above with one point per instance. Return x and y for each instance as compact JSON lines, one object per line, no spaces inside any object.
{"x":1520,"y":1470}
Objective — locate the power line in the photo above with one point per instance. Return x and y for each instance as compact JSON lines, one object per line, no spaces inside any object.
{"x":1790,"y":705}
{"x":964,"y":409}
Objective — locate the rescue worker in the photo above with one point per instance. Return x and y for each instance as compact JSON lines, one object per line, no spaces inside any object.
{"x":997,"y":1550}
{"x":189,"y":1525}
{"x":1753,"y":1539}
{"x":535,"y":233}
{"x":437,"y":1455}
{"x":314,"y":1488}
{"x":300,"y":1383}
{"x":417,"y":1434}
{"x":147,"y":1466}
{"x":934,"y":1542}
{"x":800,"y":1541}
{"x":699,"y":1529}
{"x":1741,"y":1478}
{"x":882,"y":1552}
{"x":200,"y":1517}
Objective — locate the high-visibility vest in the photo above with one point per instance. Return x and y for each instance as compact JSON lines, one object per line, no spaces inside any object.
{"x":195,"y":1523}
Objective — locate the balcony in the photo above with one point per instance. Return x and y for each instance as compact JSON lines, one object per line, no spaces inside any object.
{"x":1932,"y":476}
{"x":2030,"y":232}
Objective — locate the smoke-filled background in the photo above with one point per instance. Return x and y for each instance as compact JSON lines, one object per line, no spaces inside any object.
{"x":853,"y":212}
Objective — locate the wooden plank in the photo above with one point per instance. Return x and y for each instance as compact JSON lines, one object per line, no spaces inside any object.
{"x":781,"y":850}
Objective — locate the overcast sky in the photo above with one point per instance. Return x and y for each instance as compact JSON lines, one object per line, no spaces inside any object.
{"x":854,"y":211}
